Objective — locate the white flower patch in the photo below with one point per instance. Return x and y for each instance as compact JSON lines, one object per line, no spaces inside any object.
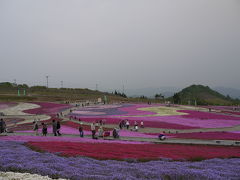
{"x":18,"y":109}
{"x":22,"y":176}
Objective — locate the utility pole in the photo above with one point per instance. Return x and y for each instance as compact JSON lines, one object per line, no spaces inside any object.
{"x":47,"y":80}
{"x":123,"y":89}
{"x":61,"y":84}
{"x":96,"y":87}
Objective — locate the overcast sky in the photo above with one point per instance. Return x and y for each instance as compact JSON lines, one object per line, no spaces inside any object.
{"x":138,"y":43}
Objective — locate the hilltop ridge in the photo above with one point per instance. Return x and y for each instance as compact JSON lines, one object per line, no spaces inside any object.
{"x":203,"y":95}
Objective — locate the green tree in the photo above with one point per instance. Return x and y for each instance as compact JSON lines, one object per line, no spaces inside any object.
{"x":176,"y":98}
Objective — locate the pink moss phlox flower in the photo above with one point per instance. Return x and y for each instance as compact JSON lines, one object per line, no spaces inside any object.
{"x":207,"y":115}
{"x":48,"y":108}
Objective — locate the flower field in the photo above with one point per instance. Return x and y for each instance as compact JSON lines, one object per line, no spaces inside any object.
{"x":157,"y":116}
{"x":136,"y":151}
{"x":14,"y":156}
{"x":210,"y":136}
{"x":136,"y":155}
{"x":207,"y":115}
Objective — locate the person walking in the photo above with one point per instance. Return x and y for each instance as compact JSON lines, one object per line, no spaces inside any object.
{"x":93,"y":129}
{"x":100,"y":132}
{"x":58,"y":128}
{"x":54,"y":127}
{"x":44,"y":129}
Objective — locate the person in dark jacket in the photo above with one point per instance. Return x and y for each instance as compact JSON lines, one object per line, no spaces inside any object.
{"x":93,"y":129}
{"x":35,"y":127}
{"x":115,"y":133}
{"x":2,"y":126}
{"x":81,"y":130}
{"x":58,"y":128}
{"x":44,"y":129}
{"x":54,"y":126}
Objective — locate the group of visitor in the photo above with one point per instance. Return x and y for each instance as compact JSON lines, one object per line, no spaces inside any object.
{"x":60,"y":114}
{"x":100,"y":132}
{"x":56,"y":126}
{"x":126,"y":124}
{"x":123,"y":123}
{"x":2,"y":126}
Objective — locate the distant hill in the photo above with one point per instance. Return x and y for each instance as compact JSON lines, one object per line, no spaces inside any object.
{"x":203,"y":95}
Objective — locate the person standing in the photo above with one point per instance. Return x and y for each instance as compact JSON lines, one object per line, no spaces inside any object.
{"x":142,"y":125}
{"x":115,"y":133}
{"x":54,"y":127}
{"x":135,"y":124}
{"x":58,"y":128}
{"x":35,"y":127}
{"x":136,"y":128}
{"x":81,"y":130}
{"x":100,"y":132}
{"x":44,"y":129}
{"x":2,"y":126}
{"x":121,"y":124}
{"x":127,"y":124}
{"x":93,"y":129}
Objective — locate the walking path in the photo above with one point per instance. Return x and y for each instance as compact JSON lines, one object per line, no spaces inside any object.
{"x":151,"y":140}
